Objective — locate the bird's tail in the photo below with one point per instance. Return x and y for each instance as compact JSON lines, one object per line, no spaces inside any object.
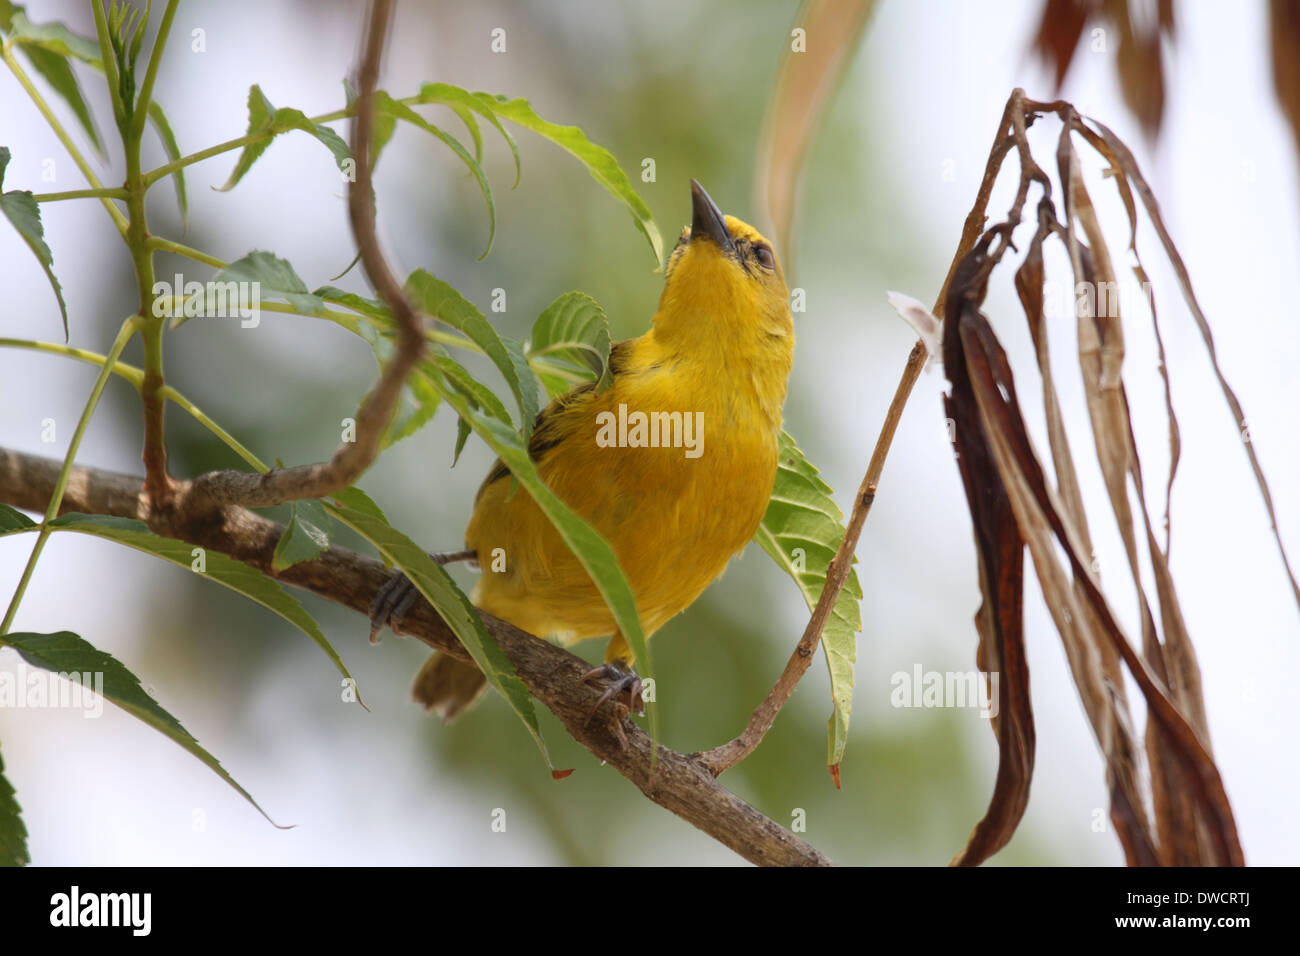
{"x":446,"y":686}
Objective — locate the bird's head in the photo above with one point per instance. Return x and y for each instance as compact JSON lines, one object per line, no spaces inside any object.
{"x":723,"y":284}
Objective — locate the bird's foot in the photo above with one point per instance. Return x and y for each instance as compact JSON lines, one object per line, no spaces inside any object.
{"x":623,"y":687}
{"x":394,"y":599}
{"x":391,"y":603}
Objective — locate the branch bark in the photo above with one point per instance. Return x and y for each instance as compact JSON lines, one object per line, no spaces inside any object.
{"x":682,"y":784}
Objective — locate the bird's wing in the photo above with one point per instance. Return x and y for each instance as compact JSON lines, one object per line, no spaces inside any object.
{"x":548,"y":428}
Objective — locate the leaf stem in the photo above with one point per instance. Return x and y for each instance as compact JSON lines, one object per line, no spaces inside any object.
{"x":167,"y":169}
{"x":109,"y":193}
{"x":248,"y":139}
{"x":166,"y":245}
{"x":136,"y":377}
{"x":124,"y":335}
{"x":34,"y":94}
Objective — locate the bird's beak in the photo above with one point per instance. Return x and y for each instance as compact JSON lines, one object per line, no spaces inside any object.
{"x":708,"y":221}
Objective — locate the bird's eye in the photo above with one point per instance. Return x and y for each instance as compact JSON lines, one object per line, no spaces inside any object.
{"x":763,"y":253}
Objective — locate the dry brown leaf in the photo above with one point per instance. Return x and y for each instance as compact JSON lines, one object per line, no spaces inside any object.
{"x":1284,"y":33}
{"x":1059,"y":31}
{"x":805,"y":86}
{"x":1122,"y":157}
{"x":985,"y":376}
{"x":1001,"y":553}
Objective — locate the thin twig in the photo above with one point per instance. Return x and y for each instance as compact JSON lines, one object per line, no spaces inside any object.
{"x":352,"y":458}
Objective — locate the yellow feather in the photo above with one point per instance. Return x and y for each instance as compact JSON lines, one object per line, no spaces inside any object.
{"x":721,"y":345}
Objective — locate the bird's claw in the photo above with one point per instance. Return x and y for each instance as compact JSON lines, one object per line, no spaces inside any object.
{"x":624,"y":689}
{"x":391,"y":603}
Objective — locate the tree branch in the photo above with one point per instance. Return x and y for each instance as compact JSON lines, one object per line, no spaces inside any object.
{"x":352,"y":458}
{"x":682,"y":784}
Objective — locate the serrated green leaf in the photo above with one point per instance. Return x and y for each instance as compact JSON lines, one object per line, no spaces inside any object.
{"x":481,"y":103}
{"x":173,"y":151}
{"x":586,"y":544}
{"x":357,"y":500}
{"x":24,"y":213}
{"x":574,"y":331}
{"x":264,"y":118}
{"x":599,"y":161}
{"x":382,"y":126}
{"x":275,"y":278}
{"x":803,"y":527}
{"x":13,"y":834}
{"x":239,"y":577}
{"x":387,"y":106}
{"x":438,"y":299}
{"x":305,"y":536}
{"x":458,"y":377}
{"x":453,"y":607}
{"x":421,"y":402}
{"x":65,"y":652}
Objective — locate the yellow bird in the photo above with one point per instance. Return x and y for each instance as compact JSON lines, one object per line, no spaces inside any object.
{"x":673,"y":464}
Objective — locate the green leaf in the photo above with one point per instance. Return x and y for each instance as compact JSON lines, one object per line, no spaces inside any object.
{"x":453,"y":607}
{"x":440,"y":300}
{"x":12,"y":520}
{"x":476,"y":393}
{"x":387,"y":106}
{"x":52,"y":36}
{"x":58,"y":73}
{"x":64,"y":653}
{"x":382,"y":125}
{"x":599,"y":161}
{"x":471,"y":126}
{"x":803,"y":526}
{"x":357,"y":500}
{"x":173,"y":151}
{"x":574,"y":331}
{"x":372,"y":308}
{"x":125,"y":34}
{"x":463,"y":431}
{"x":21,"y":209}
{"x":482,"y":103}
{"x":305,"y":536}
{"x":275,"y":279}
{"x":265,"y":120}
{"x":595,"y":554}
{"x":13,"y":835}
{"x":56,"y":42}
{"x":239,"y":577}
{"x":421,"y":400}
